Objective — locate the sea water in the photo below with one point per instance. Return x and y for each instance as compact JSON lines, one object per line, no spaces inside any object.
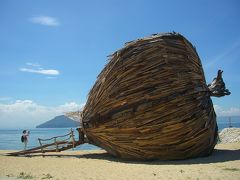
{"x":10,"y":139}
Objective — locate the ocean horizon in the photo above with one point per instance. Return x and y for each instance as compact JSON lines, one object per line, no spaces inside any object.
{"x":10,"y":139}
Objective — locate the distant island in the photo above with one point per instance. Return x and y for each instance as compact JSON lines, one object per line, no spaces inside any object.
{"x":59,"y":122}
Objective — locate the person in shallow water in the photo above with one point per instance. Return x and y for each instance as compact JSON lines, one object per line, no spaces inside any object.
{"x":24,"y":138}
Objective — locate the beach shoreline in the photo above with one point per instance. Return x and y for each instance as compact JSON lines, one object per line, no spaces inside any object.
{"x":224,"y":163}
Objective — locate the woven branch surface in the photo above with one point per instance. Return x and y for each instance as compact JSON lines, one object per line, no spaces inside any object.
{"x":151,"y":101}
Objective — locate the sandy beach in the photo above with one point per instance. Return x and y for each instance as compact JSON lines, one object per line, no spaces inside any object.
{"x":224,"y":163}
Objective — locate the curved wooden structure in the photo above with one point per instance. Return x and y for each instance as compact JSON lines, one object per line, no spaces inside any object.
{"x":54,"y":144}
{"x":151,"y":101}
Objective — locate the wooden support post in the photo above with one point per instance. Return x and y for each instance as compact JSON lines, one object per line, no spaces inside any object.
{"x":81,"y":135}
{"x":73,"y":141}
{"x":40,"y":145}
{"x":55,"y":141}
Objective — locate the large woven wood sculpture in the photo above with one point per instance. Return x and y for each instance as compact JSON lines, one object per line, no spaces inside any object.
{"x":151,"y":101}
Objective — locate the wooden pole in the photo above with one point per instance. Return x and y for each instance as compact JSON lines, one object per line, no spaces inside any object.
{"x":73,"y":141}
{"x":80,"y":135}
{"x":40,"y":145}
{"x":55,"y":141}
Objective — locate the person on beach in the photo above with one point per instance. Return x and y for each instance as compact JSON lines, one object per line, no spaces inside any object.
{"x":24,"y":138}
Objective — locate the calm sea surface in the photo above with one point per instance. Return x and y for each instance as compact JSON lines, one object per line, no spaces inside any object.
{"x":11,"y":138}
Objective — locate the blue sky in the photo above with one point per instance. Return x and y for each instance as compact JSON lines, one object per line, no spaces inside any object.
{"x":52,"y":51}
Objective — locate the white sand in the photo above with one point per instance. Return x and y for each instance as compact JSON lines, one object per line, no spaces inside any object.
{"x":224,"y":163}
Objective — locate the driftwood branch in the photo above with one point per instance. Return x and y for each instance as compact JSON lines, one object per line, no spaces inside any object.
{"x":217,"y":87}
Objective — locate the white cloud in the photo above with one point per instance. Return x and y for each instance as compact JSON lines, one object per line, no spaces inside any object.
{"x":233,"y":111}
{"x":36,"y":68}
{"x":41,"y":71}
{"x":45,"y":20}
{"x":28,"y":114}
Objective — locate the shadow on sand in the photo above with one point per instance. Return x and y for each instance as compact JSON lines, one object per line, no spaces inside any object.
{"x":218,"y":155}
